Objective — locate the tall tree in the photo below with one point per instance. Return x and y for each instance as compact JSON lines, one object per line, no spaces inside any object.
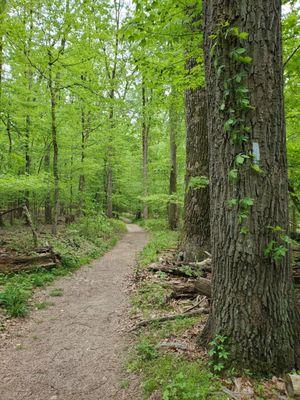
{"x":253,"y":300}
{"x":196,"y":224}
{"x":173,"y":121}
{"x":145,"y":146}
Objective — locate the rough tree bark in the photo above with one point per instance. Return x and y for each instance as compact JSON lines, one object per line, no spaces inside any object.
{"x":196,"y":226}
{"x":253,"y":299}
{"x":173,"y":121}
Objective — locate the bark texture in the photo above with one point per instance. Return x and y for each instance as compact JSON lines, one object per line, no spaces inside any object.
{"x":173,"y":120}
{"x":196,"y":226}
{"x":253,"y":300}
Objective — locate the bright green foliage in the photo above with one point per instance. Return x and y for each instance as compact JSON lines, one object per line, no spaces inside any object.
{"x":198,"y":182}
{"x":175,"y":377}
{"x":14,"y":299}
{"x":218,"y":353}
{"x":162,"y":239}
{"x":88,"y":238}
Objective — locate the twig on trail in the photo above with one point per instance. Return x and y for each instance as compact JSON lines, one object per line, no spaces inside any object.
{"x":170,"y":318}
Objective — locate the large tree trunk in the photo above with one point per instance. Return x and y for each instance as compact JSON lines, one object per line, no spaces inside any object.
{"x":253,"y":299}
{"x":173,"y":121}
{"x":196,"y":227}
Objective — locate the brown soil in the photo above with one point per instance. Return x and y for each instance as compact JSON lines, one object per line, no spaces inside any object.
{"x":74,"y":350}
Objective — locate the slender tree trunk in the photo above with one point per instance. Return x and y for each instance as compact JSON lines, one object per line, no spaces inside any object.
{"x":27,"y":155}
{"x":48,"y":208}
{"x":196,"y":225}
{"x":109,"y":166}
{"x":55,"y":152}
{"x":83,"y":134}
{"x":173,"y":120}
{"x":8,"y":131}
{"x":145,"y":140}
{"x":109,"y":188}
{"x":2,"y":11}
{"x":28,"y":74}
{"x":252,"y":291}
{"x":71,"y":183}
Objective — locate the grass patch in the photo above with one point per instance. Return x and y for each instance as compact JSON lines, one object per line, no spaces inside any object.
{"x":149,"y":296}
{"x":161,"y":239}
{"x":14,"y":299}
{"x":44,"y":304}
{"x":57,"y":292}
{"x":89,"y":237}
{"x":175,"y":377}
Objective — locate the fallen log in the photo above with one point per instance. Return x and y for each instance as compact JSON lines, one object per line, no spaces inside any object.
{"x":190,"y":314}
{"x":205,"y":264}
{"x":173,"y":345}
{"x":186,"y":270}
{"x":292,"y":384}
{"x":173,"y":270}
{"x":201,"y":286}
{"x":18,"y":263}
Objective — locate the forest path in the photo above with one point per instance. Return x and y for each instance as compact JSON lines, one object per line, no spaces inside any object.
{"x":74,"y":350}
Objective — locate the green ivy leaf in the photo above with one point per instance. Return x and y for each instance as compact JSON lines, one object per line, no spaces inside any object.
{"x":232,"y":202}
{"x":233,"y":174}
{"x":256,"y":168}
{"x":247,"y":202}
{"x":243,"y":35}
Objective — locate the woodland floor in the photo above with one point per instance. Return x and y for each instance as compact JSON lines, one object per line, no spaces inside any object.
{"x":74,"y":350}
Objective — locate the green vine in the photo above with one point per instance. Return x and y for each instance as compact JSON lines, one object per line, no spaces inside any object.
{"x":278,"y":247}
{"x":235,"y":105}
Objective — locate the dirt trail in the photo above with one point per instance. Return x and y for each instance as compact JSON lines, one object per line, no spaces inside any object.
{"x":73,"y":350}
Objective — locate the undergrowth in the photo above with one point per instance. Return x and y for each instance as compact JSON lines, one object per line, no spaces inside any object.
{"x":86,"y":239}
{"x":172,"y":375}
{"x":161,"y":239}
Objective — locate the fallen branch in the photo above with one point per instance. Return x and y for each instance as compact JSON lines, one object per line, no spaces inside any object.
{"x":171,"y":318}
{"x":30,"y":223}
{"x":10,"y":211}
{"x":173,"y":345}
